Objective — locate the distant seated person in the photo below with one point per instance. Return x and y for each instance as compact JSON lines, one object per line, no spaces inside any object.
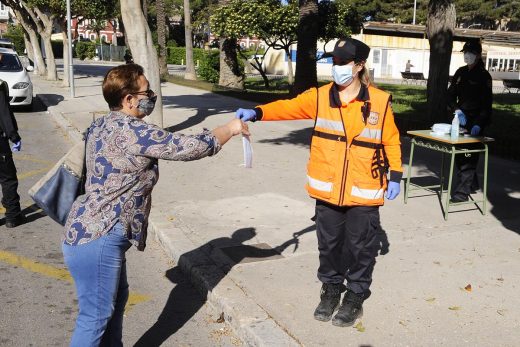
{"x":408,"y":66}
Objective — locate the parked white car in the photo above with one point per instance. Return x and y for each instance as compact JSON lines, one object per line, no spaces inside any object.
{"x":17,"y":78}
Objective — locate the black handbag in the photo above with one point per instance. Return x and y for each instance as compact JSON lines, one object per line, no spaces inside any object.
{"x":55,"y":192}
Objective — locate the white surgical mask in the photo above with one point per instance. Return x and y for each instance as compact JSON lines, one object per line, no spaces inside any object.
{"x":343,"y":75}
{"x":469,"y":58}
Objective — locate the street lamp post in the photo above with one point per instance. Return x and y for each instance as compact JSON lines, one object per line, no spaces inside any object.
{"x":414,"y":10}
{"x":69,"y":37}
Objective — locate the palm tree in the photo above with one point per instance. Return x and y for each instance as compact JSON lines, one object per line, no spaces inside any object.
{"x":231,"y":75}
{"x":306,"y":75}
{"x":190,"y":68}
{"x":161,"y":37}
{"x":440,"y":26}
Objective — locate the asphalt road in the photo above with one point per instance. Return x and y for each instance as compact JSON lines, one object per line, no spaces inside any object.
{"x":37,"y":295}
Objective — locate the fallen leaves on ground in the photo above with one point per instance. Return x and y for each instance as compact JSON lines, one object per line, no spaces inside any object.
{"x":454,"y":308}
{"x":430,"y":299}
{"x":359,"y":327}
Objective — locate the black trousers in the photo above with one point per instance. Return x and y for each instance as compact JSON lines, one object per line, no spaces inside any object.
{"x":8,"y":181}
{"x":466,"y":173}
{"x":348,"y":243}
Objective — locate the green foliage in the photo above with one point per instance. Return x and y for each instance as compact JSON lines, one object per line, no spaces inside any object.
{"x":177,"y":55}
{"x":237,"y":19}
{"x":15,"y":34}
{"x":338,"y":19}
{"x":210,"y":66}
{"x":85,"y":49}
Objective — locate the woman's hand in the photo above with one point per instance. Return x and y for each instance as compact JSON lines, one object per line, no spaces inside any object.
{"x":237,"y":126}
{"x":234,"y":127}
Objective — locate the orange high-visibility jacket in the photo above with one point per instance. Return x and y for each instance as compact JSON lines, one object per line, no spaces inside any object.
{"x":353,"y":145}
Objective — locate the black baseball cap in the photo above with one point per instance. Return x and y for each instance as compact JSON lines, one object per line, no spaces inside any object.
{"x":472,"y":46}
{"x":347,"y":49}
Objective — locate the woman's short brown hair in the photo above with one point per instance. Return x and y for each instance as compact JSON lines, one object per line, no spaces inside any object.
{"x":119,"y":82}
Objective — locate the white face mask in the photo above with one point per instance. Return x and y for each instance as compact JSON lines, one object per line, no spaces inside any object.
{"x":469,"y":58}
{"x":343,"y":75}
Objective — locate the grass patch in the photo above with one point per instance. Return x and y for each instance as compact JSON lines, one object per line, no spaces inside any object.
{"x":409,"y":105}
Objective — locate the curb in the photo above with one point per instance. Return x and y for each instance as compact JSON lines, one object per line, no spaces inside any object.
{"x":253,"y":325}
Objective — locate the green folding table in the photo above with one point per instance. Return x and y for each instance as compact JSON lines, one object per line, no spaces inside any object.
{"x":452,"y":147}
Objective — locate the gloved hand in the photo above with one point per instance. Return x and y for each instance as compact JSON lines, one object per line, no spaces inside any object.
{"x":475,"y":130}
{"x":17,"y":147}
{"x":245,"y":114}
{"x":393,"y":190}
{"x":462,"y":117}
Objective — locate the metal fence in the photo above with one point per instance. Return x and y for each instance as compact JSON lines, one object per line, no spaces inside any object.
{"x":111,"y":52}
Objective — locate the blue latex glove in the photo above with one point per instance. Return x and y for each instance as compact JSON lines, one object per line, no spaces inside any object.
{"x":475,"y":130}
{"x":462,"y":117}
{"x":17,"y":147}
{"x":393,"y":190}
{"x":245,"y":114}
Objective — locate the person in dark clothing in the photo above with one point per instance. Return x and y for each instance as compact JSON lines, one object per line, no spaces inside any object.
{"x":470,"y":96}
{"x":8,"y":179}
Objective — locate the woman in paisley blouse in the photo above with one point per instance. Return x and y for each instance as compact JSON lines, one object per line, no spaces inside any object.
{"x":121,"y":159}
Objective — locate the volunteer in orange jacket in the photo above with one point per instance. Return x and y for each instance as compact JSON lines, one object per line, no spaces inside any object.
{"x":355,"y":157}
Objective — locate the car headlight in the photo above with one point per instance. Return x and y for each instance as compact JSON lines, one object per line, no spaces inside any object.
{"x":21,"y":85}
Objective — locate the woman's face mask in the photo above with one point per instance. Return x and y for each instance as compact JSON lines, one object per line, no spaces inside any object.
{"x":469,"y":58}
{"x":147,"y":105}
{"x":343,"y":75}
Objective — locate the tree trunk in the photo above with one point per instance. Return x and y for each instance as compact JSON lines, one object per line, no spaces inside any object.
{"x":66,"y":62}
{"x":289,"y":66}
{"x":439,"y":28}
{"x":28,"y":46}
{"x":52,"y":73}
{"x":29,"y":27}
{"x":230,"y":74}
{"x":190,"y":67}
{"x":113,"y":23}
{"x":161,"y":37}
{"x":143,"y":50}
{"x":306,"y":75}
{"x":45,"y":23}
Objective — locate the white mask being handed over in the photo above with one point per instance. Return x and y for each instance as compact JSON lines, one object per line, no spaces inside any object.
{"x":343,"y":75}
{"x":469,"y":58}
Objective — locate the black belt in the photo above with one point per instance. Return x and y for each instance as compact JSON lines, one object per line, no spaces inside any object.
{"x":367,"y":144}
{"x":329,"y":136}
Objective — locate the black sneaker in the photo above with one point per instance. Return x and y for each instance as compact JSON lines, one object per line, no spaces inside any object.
{"x":351,"y":308}
{"x":458,"y":198}
{"x":16,"y":221}
{"x":330,"y":296}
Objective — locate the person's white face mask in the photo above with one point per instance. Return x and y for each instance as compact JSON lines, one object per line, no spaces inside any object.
{"x":343,"y":75}
{"x":469,"y":58}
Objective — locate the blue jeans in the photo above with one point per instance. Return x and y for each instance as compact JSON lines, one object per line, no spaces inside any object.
{"x":99,"y":271}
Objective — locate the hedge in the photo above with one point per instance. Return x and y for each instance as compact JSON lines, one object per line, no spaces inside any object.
{"x":177,"y":55}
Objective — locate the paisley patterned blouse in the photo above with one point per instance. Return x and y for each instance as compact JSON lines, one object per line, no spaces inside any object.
{"x":122,"y":153}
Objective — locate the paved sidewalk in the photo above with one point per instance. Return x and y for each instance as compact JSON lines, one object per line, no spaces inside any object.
{"x":221,"y":223}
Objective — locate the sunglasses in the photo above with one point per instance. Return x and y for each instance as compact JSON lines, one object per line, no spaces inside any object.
{"x":149,"y":93}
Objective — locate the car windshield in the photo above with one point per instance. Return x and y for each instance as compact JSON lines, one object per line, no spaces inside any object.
{"x":10,"y":62}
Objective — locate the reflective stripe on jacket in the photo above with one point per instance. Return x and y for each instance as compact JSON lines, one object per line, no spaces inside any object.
{"x":351,"y":149}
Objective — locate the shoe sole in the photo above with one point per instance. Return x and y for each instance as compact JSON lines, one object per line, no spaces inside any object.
{"x":338,"y":323}
{"x":324,"y":318}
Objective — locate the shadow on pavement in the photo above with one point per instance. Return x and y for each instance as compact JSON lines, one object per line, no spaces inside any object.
{"x":301,"y":137}
{"x":183,"y":303}
{"x":196,"y":102}
{"x":42,"y":101}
